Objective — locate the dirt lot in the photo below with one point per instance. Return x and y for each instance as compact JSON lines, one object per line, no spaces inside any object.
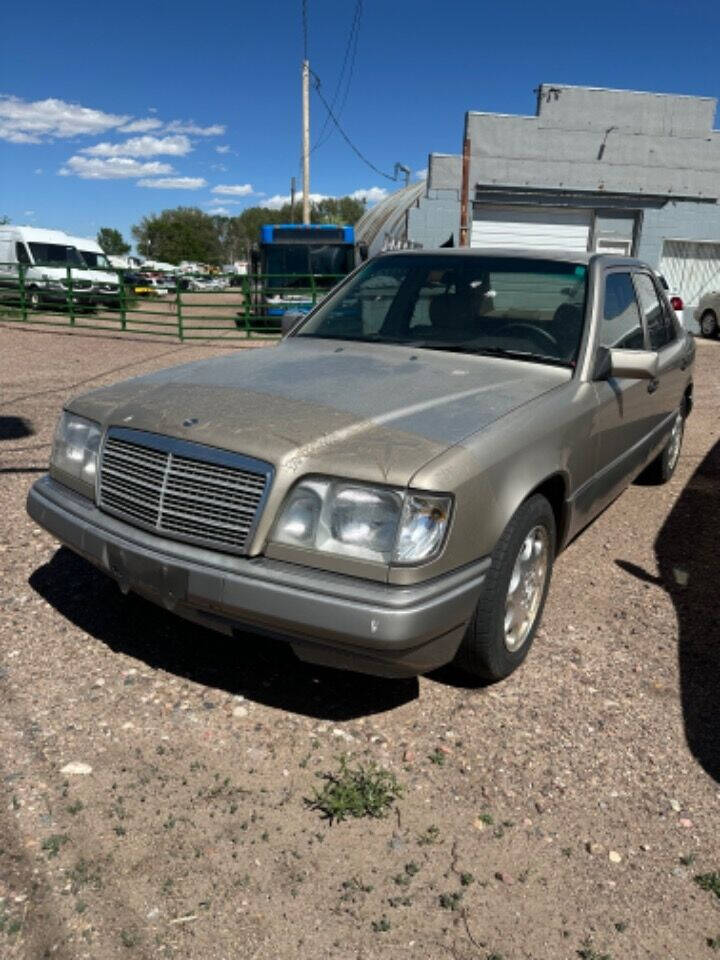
{"x":564,"y":813}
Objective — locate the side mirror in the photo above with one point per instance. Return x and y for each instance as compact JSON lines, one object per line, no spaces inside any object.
{"x":290,"y":320}
{"x":634,"y":364}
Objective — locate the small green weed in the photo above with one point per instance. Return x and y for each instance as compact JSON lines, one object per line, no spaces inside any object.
{"x":621,"y":926}
{"x":450,"y":901}
{"x":587,"y":952}
{"x":128,"y":938}
{"x":487,"y":819}
{"x":466,"y":879}
{"x":687,"y":859}
{"x":83,"y":874}
{"x":382,"y":925}
{"x":75,"y":807}
{"x":713,"y":942}
{"x":437,"y":757}
{"x":429,"y":837}
{"x":351,"y":888}
{"x":709,"y":882}
{"x":52,"y":845}
{"x":359,"y":791}
{"x":400,"y":902}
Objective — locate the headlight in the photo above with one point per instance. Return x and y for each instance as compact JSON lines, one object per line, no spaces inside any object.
{"x":362,"y":521}
{"x":75,"y":452}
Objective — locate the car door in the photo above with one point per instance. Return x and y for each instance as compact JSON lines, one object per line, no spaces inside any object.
{"x":627,"y":408}
{"x":664,"y":338}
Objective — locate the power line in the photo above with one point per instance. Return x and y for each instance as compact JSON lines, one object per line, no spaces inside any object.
{"x":346,"y":138}
{"x":350,"y":55}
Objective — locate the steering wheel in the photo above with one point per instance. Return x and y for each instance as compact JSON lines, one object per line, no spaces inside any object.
{"x":540,"y":332}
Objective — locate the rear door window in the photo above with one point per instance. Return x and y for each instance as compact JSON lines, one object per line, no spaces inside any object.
{"x":621,"y":326}
{"x":656,"y":317}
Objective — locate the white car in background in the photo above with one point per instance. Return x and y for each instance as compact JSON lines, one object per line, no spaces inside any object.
{"x":707,"y":314}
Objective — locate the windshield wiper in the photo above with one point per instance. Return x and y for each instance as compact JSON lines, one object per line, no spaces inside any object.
{"x":497,"y":352}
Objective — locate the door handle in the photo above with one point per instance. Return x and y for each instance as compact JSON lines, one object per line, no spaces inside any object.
{"x":653,"y":385}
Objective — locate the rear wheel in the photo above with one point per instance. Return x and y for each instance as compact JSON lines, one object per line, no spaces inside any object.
{"x":709,"y":324}
{"x":507,"y":616}
{"x":663,"y":466}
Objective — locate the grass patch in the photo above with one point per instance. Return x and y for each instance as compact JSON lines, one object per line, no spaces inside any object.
{"x":713,"y":942}
{"x":709,"y":882}
{"x":382,"y":925}
{"x":355,"y":791}
{"x":437,"y":757}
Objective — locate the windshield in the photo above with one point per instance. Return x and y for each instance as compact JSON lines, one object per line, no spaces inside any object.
{"x":56,"y":255}
{"x":96,"y":261}
{"x":302,"y":259}
{"x":519,"y":306}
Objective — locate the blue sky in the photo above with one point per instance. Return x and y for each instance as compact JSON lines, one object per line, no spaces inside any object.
{"x":110,"y":112}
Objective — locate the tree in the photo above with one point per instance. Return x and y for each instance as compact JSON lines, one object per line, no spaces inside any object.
{"x":185,"y":233}
{"x":112,"y":242}
{"x":4,"y":220}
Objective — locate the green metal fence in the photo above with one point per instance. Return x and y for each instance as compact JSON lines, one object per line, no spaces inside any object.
{"x":247,"y":307}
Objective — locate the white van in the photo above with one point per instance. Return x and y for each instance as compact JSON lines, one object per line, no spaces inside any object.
{"x":105,"y":277}
{"x":45,"y":256}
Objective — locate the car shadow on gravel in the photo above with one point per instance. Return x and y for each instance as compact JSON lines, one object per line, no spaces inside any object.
{"x":689,"y":562}
{"x":260,"y":669}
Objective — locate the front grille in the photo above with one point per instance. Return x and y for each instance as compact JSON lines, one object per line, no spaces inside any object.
{"x":186,"y":491}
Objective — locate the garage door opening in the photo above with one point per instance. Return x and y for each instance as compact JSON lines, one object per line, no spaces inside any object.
{"x":536,"y":228}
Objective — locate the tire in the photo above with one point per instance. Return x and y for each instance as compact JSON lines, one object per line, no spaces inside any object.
{"x":492,"y":647}
{"x":709,"y":324}
{"x":664,"y":465}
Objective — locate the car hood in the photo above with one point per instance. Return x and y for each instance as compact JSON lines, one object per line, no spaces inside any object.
{"x":375,"y":412}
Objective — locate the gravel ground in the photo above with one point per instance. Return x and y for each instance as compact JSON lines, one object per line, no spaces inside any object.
{"x":563,"y":813}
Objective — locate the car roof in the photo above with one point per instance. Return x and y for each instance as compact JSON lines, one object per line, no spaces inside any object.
{"x":532,"y":253}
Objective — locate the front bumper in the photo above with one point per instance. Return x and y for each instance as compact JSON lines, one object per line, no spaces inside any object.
{"x":329,"y":619}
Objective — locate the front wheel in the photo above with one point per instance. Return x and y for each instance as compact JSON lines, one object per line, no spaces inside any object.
{"x":505,"y":621}
{"x":709,"y":324}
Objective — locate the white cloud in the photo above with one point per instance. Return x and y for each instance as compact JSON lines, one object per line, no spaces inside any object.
{"x":174,"y":183}
{"x":144,"y":125}
{"x":421,"y":174}
{"x":38,"y":170}
{"x":371,"y":194}
{"x":177,"y":146}
{"x":187,"y":126}
{"x":220,"y":211}
{"x":112,"y":168}
{"x":23,"y":121}
{"x":279,"y":200}
{"x":234,"y":190}
{"x":223,"y":148}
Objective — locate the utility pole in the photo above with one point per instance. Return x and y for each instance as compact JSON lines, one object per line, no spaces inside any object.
{"x":292,"y":199}
{"x":306,"y":139}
